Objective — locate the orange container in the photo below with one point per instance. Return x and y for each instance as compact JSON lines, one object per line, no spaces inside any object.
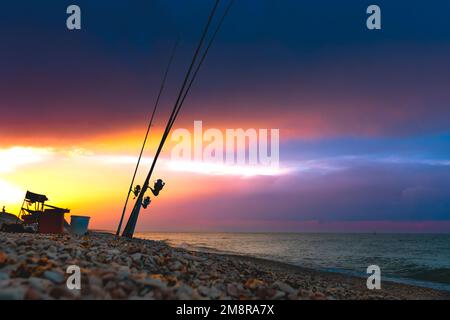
{"x":51,"y":222}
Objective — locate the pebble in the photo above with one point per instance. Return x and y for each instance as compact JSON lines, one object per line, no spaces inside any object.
{"x":203,"y":290}
{"x":284,"y":287}
{"x":3,"y":258}
{"x":39,"y":283}
{"x":4,"y":276}
{"x":17,"y":293}
{"x":215,"y":293}
{"x":175,"y":266}
{"x":136,"y":256}
{"x":278,"y":295}
{"x":54,"y":276}
{"x":254,"y":283}
{"x":155,"y":283}
{"x":32,"y":294}
{"x":61,"y":292}
{"x":318,"y":296}
{"x":95,"y":280}
{"x":118,"y":293}
{"x":232,"y":290}
{"x":124,"y":272}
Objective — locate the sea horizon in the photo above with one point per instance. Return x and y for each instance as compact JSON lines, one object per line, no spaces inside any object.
{"x":284,"y":232}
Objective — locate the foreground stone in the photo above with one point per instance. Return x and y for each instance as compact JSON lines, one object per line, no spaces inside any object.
{"x":34,"y":267}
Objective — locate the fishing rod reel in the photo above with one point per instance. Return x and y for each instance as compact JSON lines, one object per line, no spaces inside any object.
{"x":157,"y":187}
{"x":136,"y":191}
{"x":146,"y":202}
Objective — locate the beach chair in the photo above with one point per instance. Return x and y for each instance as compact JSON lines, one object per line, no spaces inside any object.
{"x":32,"y":207}
{"x":35,"y":211}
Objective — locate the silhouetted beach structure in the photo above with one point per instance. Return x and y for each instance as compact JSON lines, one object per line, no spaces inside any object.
{"x":35,"y":213}
{"x":32,"y":207}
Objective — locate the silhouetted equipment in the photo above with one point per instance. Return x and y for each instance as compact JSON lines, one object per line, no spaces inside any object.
{"x":136,"y":191}
{"x":146,"y":202}
{"x":7,"y":219}
{"x":158,"y":186}
{"x":79,"y":225}
{"x":34,"y":210}
{"x":51,"y":221}
{"x":189,"y":79}
{"x":32,"y":207}
{"x":161,"y":89}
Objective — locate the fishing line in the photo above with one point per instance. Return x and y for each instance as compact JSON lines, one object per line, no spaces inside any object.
{"x":202,"y":59}
{"x":188,"y":73}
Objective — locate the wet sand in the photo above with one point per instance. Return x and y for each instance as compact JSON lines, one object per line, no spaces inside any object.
{"x":34,"y":267}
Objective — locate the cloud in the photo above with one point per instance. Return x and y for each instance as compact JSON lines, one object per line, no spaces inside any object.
{"x":225,"y":169}
{"x":9,"y":193}
{"x":15,"y":157}
{"x":363,"y":192}
{"x":340,"y":188}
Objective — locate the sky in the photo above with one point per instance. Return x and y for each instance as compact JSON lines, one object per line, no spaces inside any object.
{"x":364,"y":116}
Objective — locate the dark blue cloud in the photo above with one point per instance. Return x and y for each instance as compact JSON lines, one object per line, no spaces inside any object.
{"x":413,"y":148}
{"x":366,"y":191}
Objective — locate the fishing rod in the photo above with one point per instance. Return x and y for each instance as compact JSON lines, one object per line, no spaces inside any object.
{"x":131,"y":224}
{"x":132,"y":220}
{"x":161,"y":89}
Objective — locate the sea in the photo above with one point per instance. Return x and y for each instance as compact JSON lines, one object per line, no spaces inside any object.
{"x":417,"y":259}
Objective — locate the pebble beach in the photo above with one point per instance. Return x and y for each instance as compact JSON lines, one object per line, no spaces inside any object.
{"x":33,"y":266}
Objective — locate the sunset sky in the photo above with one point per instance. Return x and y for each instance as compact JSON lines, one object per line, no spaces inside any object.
{"x":364,"y":116}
